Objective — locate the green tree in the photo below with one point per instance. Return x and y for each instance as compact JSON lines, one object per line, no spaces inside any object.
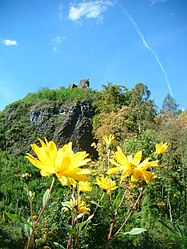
{"x":141,"y":109}
{"x":111,"y":98}
{"x":169,"y":104}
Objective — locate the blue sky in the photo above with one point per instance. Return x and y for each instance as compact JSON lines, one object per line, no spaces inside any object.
{"x":52,"y":43}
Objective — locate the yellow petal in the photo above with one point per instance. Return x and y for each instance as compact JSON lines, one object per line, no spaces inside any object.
{"x":146,"y":164}
{"x":63,"y":160}
{"x":148,"y":176}
{"x":34,"y":161}
{"x":52,"y":150}
{"x":63,"y":180}
{"x":44,"y":145}
{"x":42,"y":154}
{"x":84,"y":172}
{"x":115,"y":163}
{"x":136,"y":176}
{"x":71,"y":182}
{"x":79,"y":158}
{"x":113,"y":170}
{"x":76,"y":175}
{"x":120,"y":157}
{"x":67,"y":147}
{"x":127,"y":172}
{"x":137,"y":158}
{"x":44,"y":173}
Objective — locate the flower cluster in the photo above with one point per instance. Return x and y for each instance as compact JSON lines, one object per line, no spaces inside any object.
{"x":69,"y":168}
{"x":67,"y":165}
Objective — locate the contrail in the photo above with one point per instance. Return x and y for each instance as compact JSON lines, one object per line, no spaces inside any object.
{"x":148,"y":47}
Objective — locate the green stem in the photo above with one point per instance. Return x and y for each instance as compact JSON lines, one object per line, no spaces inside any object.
{"x":87,"y":223}
{"x":108,"y":158}
{"x":74,"y":195}
{"x":113,"y":220}
{"x":124,"y":194}
{"x":129,"y":214}
{"x":71,"y":235}
{"x":40,"y":215}
{"x":78,"y":234}
{"x":110,"y":231}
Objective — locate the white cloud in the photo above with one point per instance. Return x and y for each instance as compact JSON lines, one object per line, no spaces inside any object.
{"x":60,"y":11}
{"x":56,"y":42}
{"x":156,"y":1}
{"x":8,"y":42}
{"x":89,"y":9}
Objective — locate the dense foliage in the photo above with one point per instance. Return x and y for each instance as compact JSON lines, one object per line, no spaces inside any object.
{"x":136,"y":123}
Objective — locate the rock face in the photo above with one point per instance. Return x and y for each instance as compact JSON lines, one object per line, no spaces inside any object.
{"x":69,"y":122}
{"x":82,"y":84}
{"x":62,"y":124}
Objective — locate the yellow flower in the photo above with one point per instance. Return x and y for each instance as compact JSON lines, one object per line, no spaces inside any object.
{"x":64,"y":163}
{"x":108,"y":140}
{"x":131,"y":166}
{"x":77,"y":204}
{"x":84,"y":186}
{"x":161,"y":148}
{"x":35,"y":217}
{"x":106,"y":183}
{"x":82,"y":207}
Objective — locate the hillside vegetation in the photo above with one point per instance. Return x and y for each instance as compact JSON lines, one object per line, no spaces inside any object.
{"x":85,"y":116}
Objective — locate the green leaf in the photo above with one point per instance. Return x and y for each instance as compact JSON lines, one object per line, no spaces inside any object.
{"x":95,"y":203}
{"x":90,"y":217}
{"x":173,"y":230}
{"x":72,"y":231}
{"x":117,"y":200}
{"x":134,"y":231}
{"x":79,"y":216}
{"x":14,"y":217}
{"x":84,"y":222}
{"x":28,"y":229}
{"x":27,"y":222}
{"x":66,"y":204}
{"x":58,"y":245}
{"x":45,"y":196}
{"x":67,"y":226}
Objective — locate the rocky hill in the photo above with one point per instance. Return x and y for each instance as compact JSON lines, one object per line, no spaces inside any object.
{"x":67,"y":117}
